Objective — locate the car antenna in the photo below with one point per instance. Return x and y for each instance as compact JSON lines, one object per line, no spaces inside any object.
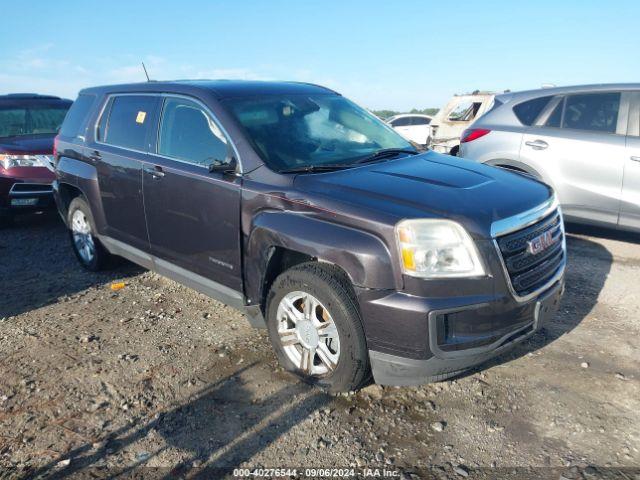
{"x":145,"y":71}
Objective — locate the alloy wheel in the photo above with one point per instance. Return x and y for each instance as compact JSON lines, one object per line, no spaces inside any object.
{"x":308,"y":334}
{"x":82,"y":237}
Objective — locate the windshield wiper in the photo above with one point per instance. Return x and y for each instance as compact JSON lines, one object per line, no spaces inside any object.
{"x":386,"y":153}
{"x":316,"y":168}
{"x":379,"y":155}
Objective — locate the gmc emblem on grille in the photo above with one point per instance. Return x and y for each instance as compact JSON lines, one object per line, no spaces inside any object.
{"x":541,"y":242}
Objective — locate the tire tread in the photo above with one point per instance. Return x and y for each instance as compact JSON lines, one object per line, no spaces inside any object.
{"x":337,"y":281}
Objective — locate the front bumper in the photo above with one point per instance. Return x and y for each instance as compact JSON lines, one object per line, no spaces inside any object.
{"x":443,"y":340}
{"x":25,"y":194}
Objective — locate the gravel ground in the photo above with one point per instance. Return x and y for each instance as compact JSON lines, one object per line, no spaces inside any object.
{"x":157,"y":380}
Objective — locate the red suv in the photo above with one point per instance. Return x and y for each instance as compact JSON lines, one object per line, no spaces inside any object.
{"x":28,"y":125}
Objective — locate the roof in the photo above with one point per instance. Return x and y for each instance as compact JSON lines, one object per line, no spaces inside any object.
{"x":28,"y":96}
{"x":540,"y":92}
{"x":220,"y":88}
{"x":399,"y":115}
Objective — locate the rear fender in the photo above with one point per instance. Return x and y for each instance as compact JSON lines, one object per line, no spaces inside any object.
{"x":84,"y":177}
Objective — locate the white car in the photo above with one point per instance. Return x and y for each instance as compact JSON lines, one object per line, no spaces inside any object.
{"x":412,"y":126}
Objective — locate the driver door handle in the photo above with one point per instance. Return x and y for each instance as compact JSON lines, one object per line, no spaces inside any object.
{"x":635,"y":159}
{"x":154,"y":170}
{"x":537,"y":144}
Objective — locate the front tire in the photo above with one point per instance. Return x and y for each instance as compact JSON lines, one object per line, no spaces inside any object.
{"x":315,"y":328}
{"x":86,"y":246}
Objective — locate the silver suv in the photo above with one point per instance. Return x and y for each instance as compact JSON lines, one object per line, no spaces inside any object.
{"x":583,"y":141}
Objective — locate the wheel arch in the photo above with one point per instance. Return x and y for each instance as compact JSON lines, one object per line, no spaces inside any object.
{"x":75,"y":177}
{"x":65,"y":195}
{"x":280,"y":240}
{"x":281,"y":259}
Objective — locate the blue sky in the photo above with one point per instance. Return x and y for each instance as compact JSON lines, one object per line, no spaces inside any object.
{"x":382,"y":54}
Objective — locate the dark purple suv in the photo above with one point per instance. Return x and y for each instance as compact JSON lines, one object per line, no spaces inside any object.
{"x":28,"y":125}
{"x":362,"y":256}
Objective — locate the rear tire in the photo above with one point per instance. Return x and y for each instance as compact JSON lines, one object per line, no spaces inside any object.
{"x":326,"y":345}
{"x":88,"y":250}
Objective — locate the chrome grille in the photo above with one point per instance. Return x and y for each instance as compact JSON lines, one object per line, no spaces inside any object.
{"x":530,"y":272}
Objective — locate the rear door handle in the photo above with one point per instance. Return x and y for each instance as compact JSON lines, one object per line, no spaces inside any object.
{"x":154,"y":170}
{"x":635,"y":159}
{"x":537,"y":144}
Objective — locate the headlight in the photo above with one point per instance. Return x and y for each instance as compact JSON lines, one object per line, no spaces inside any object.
{"x":11,"y":161}
{"x":437,"y":248}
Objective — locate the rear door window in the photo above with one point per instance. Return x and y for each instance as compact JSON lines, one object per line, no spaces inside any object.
{"x":129,"y":121}
{"x":597,"y":112}
{"x":528,"y":111}
{"x":189,"y":134}
{"x":77,"y":116}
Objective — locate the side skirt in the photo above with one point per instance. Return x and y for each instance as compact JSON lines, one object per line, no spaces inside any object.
{"x":212,"y":289}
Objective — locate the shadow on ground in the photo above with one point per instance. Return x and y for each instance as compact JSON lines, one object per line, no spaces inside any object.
{"x":39,"y":268}
{"x":604,"y":233}
{"x":201,"y":428}
{"x":588,"y":265}
{"x":38,"y":265}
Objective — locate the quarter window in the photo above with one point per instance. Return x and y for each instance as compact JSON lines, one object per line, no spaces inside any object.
{"x":129,"y":120}
{"x":528,"y":111}
{"x":77,"y":115}
{"x":189,"y":134}
{"x":593,"y":112}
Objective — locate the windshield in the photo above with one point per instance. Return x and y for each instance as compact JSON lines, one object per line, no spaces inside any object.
{"x":292,"y":131}
{"x":31,"y":118}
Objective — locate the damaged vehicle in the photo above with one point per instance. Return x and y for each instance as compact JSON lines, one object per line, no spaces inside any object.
{"x":362,"y":257}
{"x":455,"y":117}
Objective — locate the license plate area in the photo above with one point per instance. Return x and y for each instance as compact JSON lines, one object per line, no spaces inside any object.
{"x":24,"y":202}
{"x":547,"y":306}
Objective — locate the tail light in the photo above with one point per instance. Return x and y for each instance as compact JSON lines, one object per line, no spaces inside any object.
{"x":472,"y":134}
{"x":55,"y":146}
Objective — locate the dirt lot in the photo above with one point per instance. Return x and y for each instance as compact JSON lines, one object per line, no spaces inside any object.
{"x":155,"y":379}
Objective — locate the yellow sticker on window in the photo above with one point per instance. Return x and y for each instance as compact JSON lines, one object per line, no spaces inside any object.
{"x":141,"y":116}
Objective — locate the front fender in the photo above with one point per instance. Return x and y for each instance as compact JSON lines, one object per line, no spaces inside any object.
{"x":363,"y":256}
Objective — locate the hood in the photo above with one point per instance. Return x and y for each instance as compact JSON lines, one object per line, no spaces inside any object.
{"x":432,"y":185}
{"x":28,"y":144}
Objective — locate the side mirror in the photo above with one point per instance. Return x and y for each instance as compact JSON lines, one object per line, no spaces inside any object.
{"x":219,"y":166}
